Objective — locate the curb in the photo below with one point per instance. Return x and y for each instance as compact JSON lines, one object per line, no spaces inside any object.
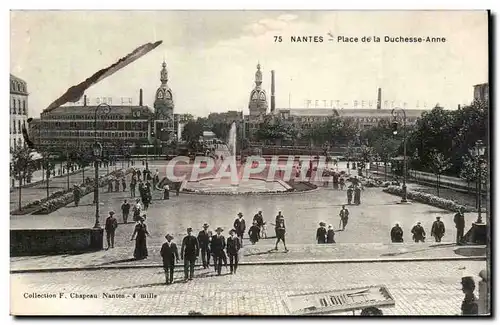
{"x":267,"y":263}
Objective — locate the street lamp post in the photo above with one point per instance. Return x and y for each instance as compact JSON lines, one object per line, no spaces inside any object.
{"x":97,"y":148}
{"x":105,"y":110}
{"x":395,"y":131}
{"x":478,"y":152}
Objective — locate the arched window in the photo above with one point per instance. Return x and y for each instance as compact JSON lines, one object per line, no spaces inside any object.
{"x":14,"y":127}
{"x":18,"y":86}
{"x":14,"y":111}
{"x":19,"y":106}
{"x":24,"y":107}
{"x":18,"y":126}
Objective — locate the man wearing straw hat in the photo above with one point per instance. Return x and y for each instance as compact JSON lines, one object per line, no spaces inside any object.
{"x":217,"y":247}
{"x":170,"y":255}
{"x":204,"y":241}
{"x":190,"y":250}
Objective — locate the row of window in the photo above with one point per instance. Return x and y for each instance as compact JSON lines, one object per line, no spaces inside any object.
{"x":16,"y":128}
{"x":18,"y":106}
{"x":17,"y":86}
{"x":83,"y":134}
{"x":132,"y":116}
{"x":107,"y":125}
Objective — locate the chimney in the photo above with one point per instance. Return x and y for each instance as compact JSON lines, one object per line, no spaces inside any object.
{"x":84,"y":100}
{"x":140,"y":97}
{"x":379,"y":99}
{"x":273,"y":103}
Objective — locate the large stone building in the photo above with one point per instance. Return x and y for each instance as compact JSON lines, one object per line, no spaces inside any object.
{"x":76,"y":127}
{"x":125,"y":126}
{"x":18,"y":110}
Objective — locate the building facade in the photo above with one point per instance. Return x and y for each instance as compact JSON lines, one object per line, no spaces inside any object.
{"x":77,"y":126}
{"x":18,"y":110}
{"x":482,"y":92}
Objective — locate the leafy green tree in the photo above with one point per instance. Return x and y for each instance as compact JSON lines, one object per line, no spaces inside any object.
{"x":22,"y":166}
{"x":385,"y":148}
{"x":192,"y":132}
{"x":439,"y":163}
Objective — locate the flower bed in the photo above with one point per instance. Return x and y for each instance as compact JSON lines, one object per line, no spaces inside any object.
{"x":429,"y":199}
{"x":67,"y":197}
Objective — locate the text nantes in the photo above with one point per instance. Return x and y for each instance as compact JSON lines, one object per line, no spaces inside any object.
{"x":306,"y":39}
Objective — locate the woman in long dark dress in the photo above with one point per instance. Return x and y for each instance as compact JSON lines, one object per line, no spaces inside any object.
{"x":141,"y":249}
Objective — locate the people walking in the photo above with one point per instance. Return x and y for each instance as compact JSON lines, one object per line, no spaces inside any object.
{"x":110,"y":227}
{"x":280,"y":231}
{"x":232,"y":248}
{"x":240,"y":226}
{"x":259,"y":219}
{"x":190,"y":250}
{"x":397,"y":234}
{"x":254,"y":232}
{"x":342,"y":183}
{"x":418,"y":233}
{"x":218,"y":244}
{"x":125,"y":210}
{"x":156,"y":178}
{"x":137,"y":210}
{"x":321,"y":233}
{"x":330,"y":235}
{"x":344,"y":217}
{"x":437,"y":230}
{"x":117,"y":184}
{"x":76,"y":194}
{"x":459,"y":220}
{"x":350,"y":191}
{"x":170,"y":255}
{"x":204,"y":242}
{"x":166,"y":192}
{"x":124,"y":184}
{"x":133,"y":182}
{"x":357,"y":195}
{"x":140,"y":233}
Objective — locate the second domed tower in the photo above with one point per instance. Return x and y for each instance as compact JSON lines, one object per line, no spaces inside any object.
{"x":258,"y":99}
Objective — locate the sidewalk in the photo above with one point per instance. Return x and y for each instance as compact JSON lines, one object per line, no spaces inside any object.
{"x":122,"y":257}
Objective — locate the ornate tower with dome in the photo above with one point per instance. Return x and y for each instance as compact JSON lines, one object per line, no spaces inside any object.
{"x":164,"y":108}
{"x":258,"y":99}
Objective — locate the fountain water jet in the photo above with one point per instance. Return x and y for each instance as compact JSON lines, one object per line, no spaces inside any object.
{"x":232,"y":150}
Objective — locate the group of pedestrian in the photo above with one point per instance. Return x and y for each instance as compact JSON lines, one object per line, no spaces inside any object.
{"x":418,"y":232}
{"x":214,"y":247}
{"x":324,"y":236}
{"x":116,"y":181}
{"x":356,"y":190}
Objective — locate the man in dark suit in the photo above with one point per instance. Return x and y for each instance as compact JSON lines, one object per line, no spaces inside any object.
{"x":170,"y":255}
{"x":190,"y":250}
{"x":233,"y":247}
{"x":204,"y":241}
{"x":240,"y":226}
{"x":217,"y":247}
{"x":321,"y":233}
{"x":459,"y":220}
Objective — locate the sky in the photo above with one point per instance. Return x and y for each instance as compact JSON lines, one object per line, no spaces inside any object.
{"x":211,"y":56}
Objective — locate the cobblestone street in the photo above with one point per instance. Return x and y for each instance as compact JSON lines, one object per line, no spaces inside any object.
{"x":419,"y":288}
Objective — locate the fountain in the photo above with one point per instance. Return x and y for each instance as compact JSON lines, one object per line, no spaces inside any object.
{"x":232,"y":150}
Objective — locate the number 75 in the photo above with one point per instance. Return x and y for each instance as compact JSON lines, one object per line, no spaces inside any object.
{"x":278,"y":39}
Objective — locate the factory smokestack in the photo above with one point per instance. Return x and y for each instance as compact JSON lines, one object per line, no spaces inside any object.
{"x":140,"y":97}
{"x":273,"y":103}
{"x":84,"y":100}
{"x":379,"y":99}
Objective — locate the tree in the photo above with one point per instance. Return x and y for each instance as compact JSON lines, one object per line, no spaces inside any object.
{"x":191,"y":133}
{"x":385,"y":148}
{"x":221,"y":130}
{"x":22,"y":166}
{"x":469,"y":172}
{"x":439,"y":164}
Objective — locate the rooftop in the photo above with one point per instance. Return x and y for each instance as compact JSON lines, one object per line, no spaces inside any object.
{"x":115,"y":109}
